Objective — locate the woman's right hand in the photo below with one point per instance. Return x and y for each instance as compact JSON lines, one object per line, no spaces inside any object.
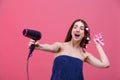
{"x":33,"y":42}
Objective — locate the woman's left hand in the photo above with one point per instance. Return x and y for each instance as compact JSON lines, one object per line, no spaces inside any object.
{"x":98,"y":39}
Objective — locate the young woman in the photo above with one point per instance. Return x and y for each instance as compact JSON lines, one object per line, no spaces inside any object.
{"x":70,"y":55}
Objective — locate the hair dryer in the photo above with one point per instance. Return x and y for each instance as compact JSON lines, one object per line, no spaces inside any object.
{"x":33,"y":34}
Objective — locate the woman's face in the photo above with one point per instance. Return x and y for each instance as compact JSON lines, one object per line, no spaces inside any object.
{"x":78,"y":31}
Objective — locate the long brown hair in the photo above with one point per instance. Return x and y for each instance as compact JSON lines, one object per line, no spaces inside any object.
{"x":85,"y":39}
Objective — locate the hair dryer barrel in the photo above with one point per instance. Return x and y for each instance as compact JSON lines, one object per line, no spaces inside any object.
{"x":33,"y":34}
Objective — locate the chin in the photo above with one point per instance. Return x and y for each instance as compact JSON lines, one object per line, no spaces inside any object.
{"x":77,"y":40}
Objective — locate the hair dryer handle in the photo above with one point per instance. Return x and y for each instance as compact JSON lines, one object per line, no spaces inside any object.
{"x":32,"y":47}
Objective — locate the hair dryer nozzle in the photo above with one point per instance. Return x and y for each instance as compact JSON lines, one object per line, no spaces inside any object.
{"x":33,"y":34}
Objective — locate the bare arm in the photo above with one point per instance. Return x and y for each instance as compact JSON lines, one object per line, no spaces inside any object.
{"x":55,"y":47}
{"x":103,"y":62}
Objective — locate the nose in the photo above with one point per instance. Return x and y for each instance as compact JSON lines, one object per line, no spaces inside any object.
{"x":77,"y":29}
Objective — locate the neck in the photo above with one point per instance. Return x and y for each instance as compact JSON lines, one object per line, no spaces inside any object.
{"x":75,"y":44}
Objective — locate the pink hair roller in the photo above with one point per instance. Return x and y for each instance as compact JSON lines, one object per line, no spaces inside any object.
{"x":98,"y":37}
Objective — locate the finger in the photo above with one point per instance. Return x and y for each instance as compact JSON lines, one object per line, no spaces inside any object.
{"x":30,"y":43}
{"x":101,"y":39}
{"x":31,"y":40}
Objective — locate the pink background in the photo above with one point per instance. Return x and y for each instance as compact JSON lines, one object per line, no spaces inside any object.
{"x":53,"y":18}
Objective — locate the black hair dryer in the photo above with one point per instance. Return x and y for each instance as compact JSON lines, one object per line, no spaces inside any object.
{"x":33,"y":34}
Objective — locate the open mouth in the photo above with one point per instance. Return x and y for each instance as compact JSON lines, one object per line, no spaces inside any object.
{"x":77,"y":35}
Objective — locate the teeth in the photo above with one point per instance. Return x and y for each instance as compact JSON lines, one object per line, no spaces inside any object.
{"x":77,"y":35}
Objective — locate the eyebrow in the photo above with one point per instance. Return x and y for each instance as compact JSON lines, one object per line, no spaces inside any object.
{"x":75,"y":25}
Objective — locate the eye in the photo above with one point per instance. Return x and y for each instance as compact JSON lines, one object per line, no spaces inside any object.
{"x":75,"y":26}
{"x":82,"y":27}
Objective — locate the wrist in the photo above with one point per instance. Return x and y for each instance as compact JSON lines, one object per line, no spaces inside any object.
{"x":37,"y":44}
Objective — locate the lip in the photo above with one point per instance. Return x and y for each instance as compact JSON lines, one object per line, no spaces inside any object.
{"x":77,"y":36}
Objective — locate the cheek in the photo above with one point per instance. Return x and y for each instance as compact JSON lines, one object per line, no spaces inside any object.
{"x":82,"y":33}
{"x":72,"y":32}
